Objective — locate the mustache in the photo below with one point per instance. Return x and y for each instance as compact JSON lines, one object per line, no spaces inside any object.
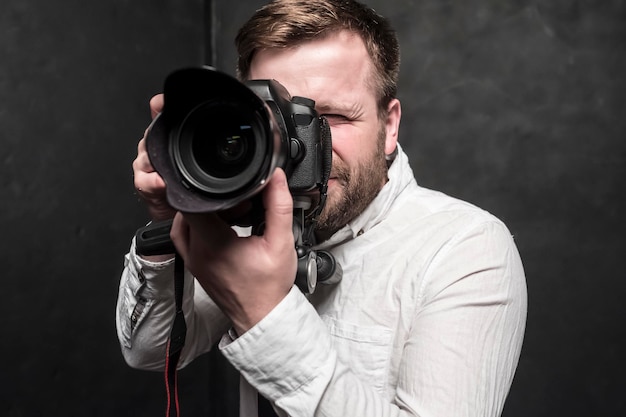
{"x":340,"y":171}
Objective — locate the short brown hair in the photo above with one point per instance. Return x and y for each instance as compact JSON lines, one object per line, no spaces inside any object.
{"x":286,"y":23}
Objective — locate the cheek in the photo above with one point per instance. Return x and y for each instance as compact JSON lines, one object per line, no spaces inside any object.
{"x":346,"y":143}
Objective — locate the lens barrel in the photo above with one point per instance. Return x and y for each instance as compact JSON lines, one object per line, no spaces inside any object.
{"x":221,"y":147}
{"x":218,"y":141}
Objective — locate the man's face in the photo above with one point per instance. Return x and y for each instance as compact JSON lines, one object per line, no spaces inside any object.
{"x":336,"y":72}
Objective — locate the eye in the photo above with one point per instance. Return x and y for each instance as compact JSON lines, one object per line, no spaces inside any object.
{"x":335,"y":119}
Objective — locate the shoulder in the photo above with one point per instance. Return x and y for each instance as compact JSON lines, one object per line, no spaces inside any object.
{"x":428,"y":212}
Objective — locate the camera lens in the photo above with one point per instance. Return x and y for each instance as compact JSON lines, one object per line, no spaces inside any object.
{"x":224,"y":151}
{"x":233,"y":147}
{"x":221,"y":147}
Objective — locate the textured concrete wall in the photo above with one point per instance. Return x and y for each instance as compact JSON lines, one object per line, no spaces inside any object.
{"x":517,"y":106}
{"x":75,"y":80}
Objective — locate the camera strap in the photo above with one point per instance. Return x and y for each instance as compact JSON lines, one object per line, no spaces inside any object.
{"x":176,"y":341}
{"x":154,"y":239}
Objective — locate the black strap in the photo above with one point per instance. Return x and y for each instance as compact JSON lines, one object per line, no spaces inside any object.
{"x":265,"y":407}
{"x":176,"y":341}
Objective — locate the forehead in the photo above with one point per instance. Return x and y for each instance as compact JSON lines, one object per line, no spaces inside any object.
{"x":332,"y":69}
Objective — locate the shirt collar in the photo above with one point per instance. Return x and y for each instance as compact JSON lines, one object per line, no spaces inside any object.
{"x":400,"y":175}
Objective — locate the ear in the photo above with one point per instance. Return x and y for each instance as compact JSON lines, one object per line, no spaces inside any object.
{"x":392,"y":125}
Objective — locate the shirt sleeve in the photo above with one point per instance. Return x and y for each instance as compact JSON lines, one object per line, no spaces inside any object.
{"x":145,"y":311}
{"x":466,"y":338}
{"x":458,"y":359}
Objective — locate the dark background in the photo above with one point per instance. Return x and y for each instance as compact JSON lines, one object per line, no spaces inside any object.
{"x":517,"y":106}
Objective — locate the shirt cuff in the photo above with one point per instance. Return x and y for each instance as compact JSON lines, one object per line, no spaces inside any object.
{"x":285,"y":352}
{"x":154,"y":278}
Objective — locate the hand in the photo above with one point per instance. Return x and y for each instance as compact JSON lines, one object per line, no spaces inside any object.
{"x":247,"y":277}
{"x":148,"y":183}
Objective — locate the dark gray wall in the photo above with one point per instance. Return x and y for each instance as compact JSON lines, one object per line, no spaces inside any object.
{"x":517,"y":106}
{"x":75,"y":79}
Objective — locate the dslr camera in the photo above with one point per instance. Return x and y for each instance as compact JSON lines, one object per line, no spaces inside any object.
{"x":218,"y":141}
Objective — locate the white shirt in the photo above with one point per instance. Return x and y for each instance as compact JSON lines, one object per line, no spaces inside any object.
{"x":428,"y":319}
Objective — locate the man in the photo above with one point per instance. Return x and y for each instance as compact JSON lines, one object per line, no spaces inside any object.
{"x":429,"y":316}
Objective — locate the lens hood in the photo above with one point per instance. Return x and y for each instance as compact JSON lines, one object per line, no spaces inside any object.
{"x":215,"y":144}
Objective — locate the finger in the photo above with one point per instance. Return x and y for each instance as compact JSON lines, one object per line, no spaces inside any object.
{"x":141,"y":146}
{"x":145,"y":177}
{"x":156,"y":105}
{"x":278,"y":207}
{"x":149,"y":183}
{"x":142,"y":161}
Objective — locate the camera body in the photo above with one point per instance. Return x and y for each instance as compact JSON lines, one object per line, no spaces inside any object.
{"x":217,"y":141}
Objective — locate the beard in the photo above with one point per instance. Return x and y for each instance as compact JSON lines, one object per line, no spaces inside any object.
{"x":361,"y":185}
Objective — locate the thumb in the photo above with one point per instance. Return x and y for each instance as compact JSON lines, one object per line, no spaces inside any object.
{"x":156,"y":105}
{"x":278,"y":208}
